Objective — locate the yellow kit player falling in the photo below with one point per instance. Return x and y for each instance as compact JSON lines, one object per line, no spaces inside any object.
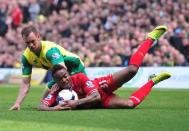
{"x":43,"y":54}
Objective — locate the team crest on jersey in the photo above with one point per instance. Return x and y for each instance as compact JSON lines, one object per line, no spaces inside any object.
{"x":55,"y":55}
{"x":49,"y":97}
{"x":89,"y":84}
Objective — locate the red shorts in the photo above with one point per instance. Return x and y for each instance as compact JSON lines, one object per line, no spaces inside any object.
{"x":106,"y":88}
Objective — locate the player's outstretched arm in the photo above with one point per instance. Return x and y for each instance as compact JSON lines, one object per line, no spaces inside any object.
{"x":44,"y":107}
{"x":22,"y":93}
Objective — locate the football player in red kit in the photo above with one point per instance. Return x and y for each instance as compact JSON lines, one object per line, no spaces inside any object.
{"x":100,"y":90}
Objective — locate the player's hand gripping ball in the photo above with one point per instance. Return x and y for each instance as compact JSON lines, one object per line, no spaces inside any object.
{"x":66,"y":94}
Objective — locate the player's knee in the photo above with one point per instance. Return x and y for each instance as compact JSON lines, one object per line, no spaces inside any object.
{"x":127,"y":104}
{"x":133,"y":69}
{"x":130,"y":105}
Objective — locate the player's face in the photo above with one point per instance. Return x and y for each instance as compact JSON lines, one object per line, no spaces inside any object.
{"x":33,"y":42}
{"x":62,"y":78}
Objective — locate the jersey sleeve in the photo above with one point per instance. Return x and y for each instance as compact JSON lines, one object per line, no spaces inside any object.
{"x":26,"y":67}
{"x":54,"y":56}
{"x":88,"y":85}
{"x":50,"y":99}
{"x":51,"y":83}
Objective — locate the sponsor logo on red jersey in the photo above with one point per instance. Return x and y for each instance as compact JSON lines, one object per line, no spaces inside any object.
{"x":89,"y":84}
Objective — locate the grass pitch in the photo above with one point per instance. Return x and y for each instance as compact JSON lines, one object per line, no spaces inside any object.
{"x":162,"y":110}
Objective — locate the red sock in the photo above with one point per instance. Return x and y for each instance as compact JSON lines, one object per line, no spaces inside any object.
{"x":138,"y":96}
{"x":137,"y":57}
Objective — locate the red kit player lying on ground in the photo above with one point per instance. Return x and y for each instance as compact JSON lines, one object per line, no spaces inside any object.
{"x":99,"y":92}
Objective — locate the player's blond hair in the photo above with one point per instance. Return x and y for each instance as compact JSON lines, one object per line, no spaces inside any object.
{"x":28,"y":29}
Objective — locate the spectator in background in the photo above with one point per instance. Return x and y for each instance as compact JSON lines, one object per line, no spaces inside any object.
{"x":45,"y":7}
{"x":3,"y":15}
{"x":186,"y":48}
{"x":3,"y":10}
{"x":116,"y":61}
{"x":105,"y":61}
{"x":3,"y":28}
{"x":16,"y":14}
{"x":34,"y":9}
{"x":24,"y":5}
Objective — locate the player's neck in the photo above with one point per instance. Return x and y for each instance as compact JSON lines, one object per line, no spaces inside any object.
{"x":38,"y":51}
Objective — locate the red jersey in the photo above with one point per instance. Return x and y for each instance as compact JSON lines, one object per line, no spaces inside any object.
{"x":83,"y":86}
{"x":17,"y":16}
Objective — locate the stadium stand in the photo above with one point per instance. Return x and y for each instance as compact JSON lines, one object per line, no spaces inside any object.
{"x":101,"y":32}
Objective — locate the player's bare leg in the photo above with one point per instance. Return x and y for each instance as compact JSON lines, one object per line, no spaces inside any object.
{"x":118,"y":102}
{"x":138,"y":96}
{"x":128,"y":73}
{"x":124,"y":75}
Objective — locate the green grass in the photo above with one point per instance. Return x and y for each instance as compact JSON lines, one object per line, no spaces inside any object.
{"x":163,"y":109}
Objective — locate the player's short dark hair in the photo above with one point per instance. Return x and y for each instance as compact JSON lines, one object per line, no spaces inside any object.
{"x":27,"y":30}
{"x":56,"y":68}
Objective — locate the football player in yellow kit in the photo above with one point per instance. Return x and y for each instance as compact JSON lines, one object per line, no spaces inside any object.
{"x":43,"y":54}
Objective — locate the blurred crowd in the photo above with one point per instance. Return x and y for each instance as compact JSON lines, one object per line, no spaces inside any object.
{"x":101,"y":32}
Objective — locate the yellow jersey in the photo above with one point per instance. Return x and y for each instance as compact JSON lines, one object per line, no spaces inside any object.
{"x":50,"y":54}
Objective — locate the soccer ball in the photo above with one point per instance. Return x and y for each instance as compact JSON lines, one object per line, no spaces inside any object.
{"x":66,"y":94}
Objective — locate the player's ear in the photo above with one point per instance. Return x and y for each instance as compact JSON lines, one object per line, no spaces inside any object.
{"x":38,"y":36}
